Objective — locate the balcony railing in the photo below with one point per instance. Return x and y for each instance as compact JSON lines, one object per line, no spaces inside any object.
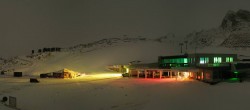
{"x":213,"y":65}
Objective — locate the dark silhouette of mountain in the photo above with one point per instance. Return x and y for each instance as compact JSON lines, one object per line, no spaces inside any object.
{"x":236,"y":20}
{"x":111,"y":42}
{"x":234,"y":32}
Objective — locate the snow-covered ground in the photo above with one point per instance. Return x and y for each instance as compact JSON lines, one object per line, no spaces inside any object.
{"x":112,"y":92}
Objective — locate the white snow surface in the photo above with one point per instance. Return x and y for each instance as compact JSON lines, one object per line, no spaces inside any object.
{"x":117,"y":93}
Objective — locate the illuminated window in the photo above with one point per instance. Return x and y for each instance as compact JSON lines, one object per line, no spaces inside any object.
{"x":185,"y":60}
{"x":217,"y":60}
{"x":204,"y":60}
{"x":229,"y":59}
{"x":191,"y":60}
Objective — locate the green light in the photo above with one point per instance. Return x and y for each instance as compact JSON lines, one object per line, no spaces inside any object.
{"x":229,"y":59}
{"x":185,"y":60}
{"x":236,"y":72}
{"x":175,"y":60}
{"x":204,"y":60}
{"x":233,"y":79}
{"x":216,"y":64}
{"x":217,"y":60}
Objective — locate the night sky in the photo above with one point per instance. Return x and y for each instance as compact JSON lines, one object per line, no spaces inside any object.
{"x":33,"y":24}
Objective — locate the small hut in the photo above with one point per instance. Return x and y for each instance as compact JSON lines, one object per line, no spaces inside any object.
{"x":65,"y":73}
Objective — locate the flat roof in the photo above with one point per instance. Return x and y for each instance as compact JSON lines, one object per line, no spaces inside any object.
{"x":211,"y":54}
{"x":193,"y":54}
{"x":174,"y":56}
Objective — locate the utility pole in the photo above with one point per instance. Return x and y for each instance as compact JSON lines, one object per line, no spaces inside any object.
{"x":186,"y":42}
{"x":181,"y":44}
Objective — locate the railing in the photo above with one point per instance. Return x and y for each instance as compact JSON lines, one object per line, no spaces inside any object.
{"x":213,"y":65}
{"x":194,"y":65}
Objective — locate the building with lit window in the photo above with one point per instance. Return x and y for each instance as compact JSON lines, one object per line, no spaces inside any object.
{"x":211,"y":68}
{"x":196,"y":60}
{"x":201,"y":66}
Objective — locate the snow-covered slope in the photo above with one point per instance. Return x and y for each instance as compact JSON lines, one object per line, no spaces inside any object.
{"x":112,"y":42}
{"x":95,"y":56}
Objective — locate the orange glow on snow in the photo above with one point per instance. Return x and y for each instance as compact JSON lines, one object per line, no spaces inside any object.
{"x":104,"y":75}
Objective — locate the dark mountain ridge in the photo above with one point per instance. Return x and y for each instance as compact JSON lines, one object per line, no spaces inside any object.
{"x":234,"y":32}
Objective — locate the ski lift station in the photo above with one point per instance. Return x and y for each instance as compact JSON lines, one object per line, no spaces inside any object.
{"x":205,"y":67}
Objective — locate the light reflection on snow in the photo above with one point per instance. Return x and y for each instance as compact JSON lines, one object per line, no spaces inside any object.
{"x":107,"y":75}
{"x":103,"y":75}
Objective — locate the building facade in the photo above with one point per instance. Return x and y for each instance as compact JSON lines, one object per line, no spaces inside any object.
{"x":201,"y":66}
